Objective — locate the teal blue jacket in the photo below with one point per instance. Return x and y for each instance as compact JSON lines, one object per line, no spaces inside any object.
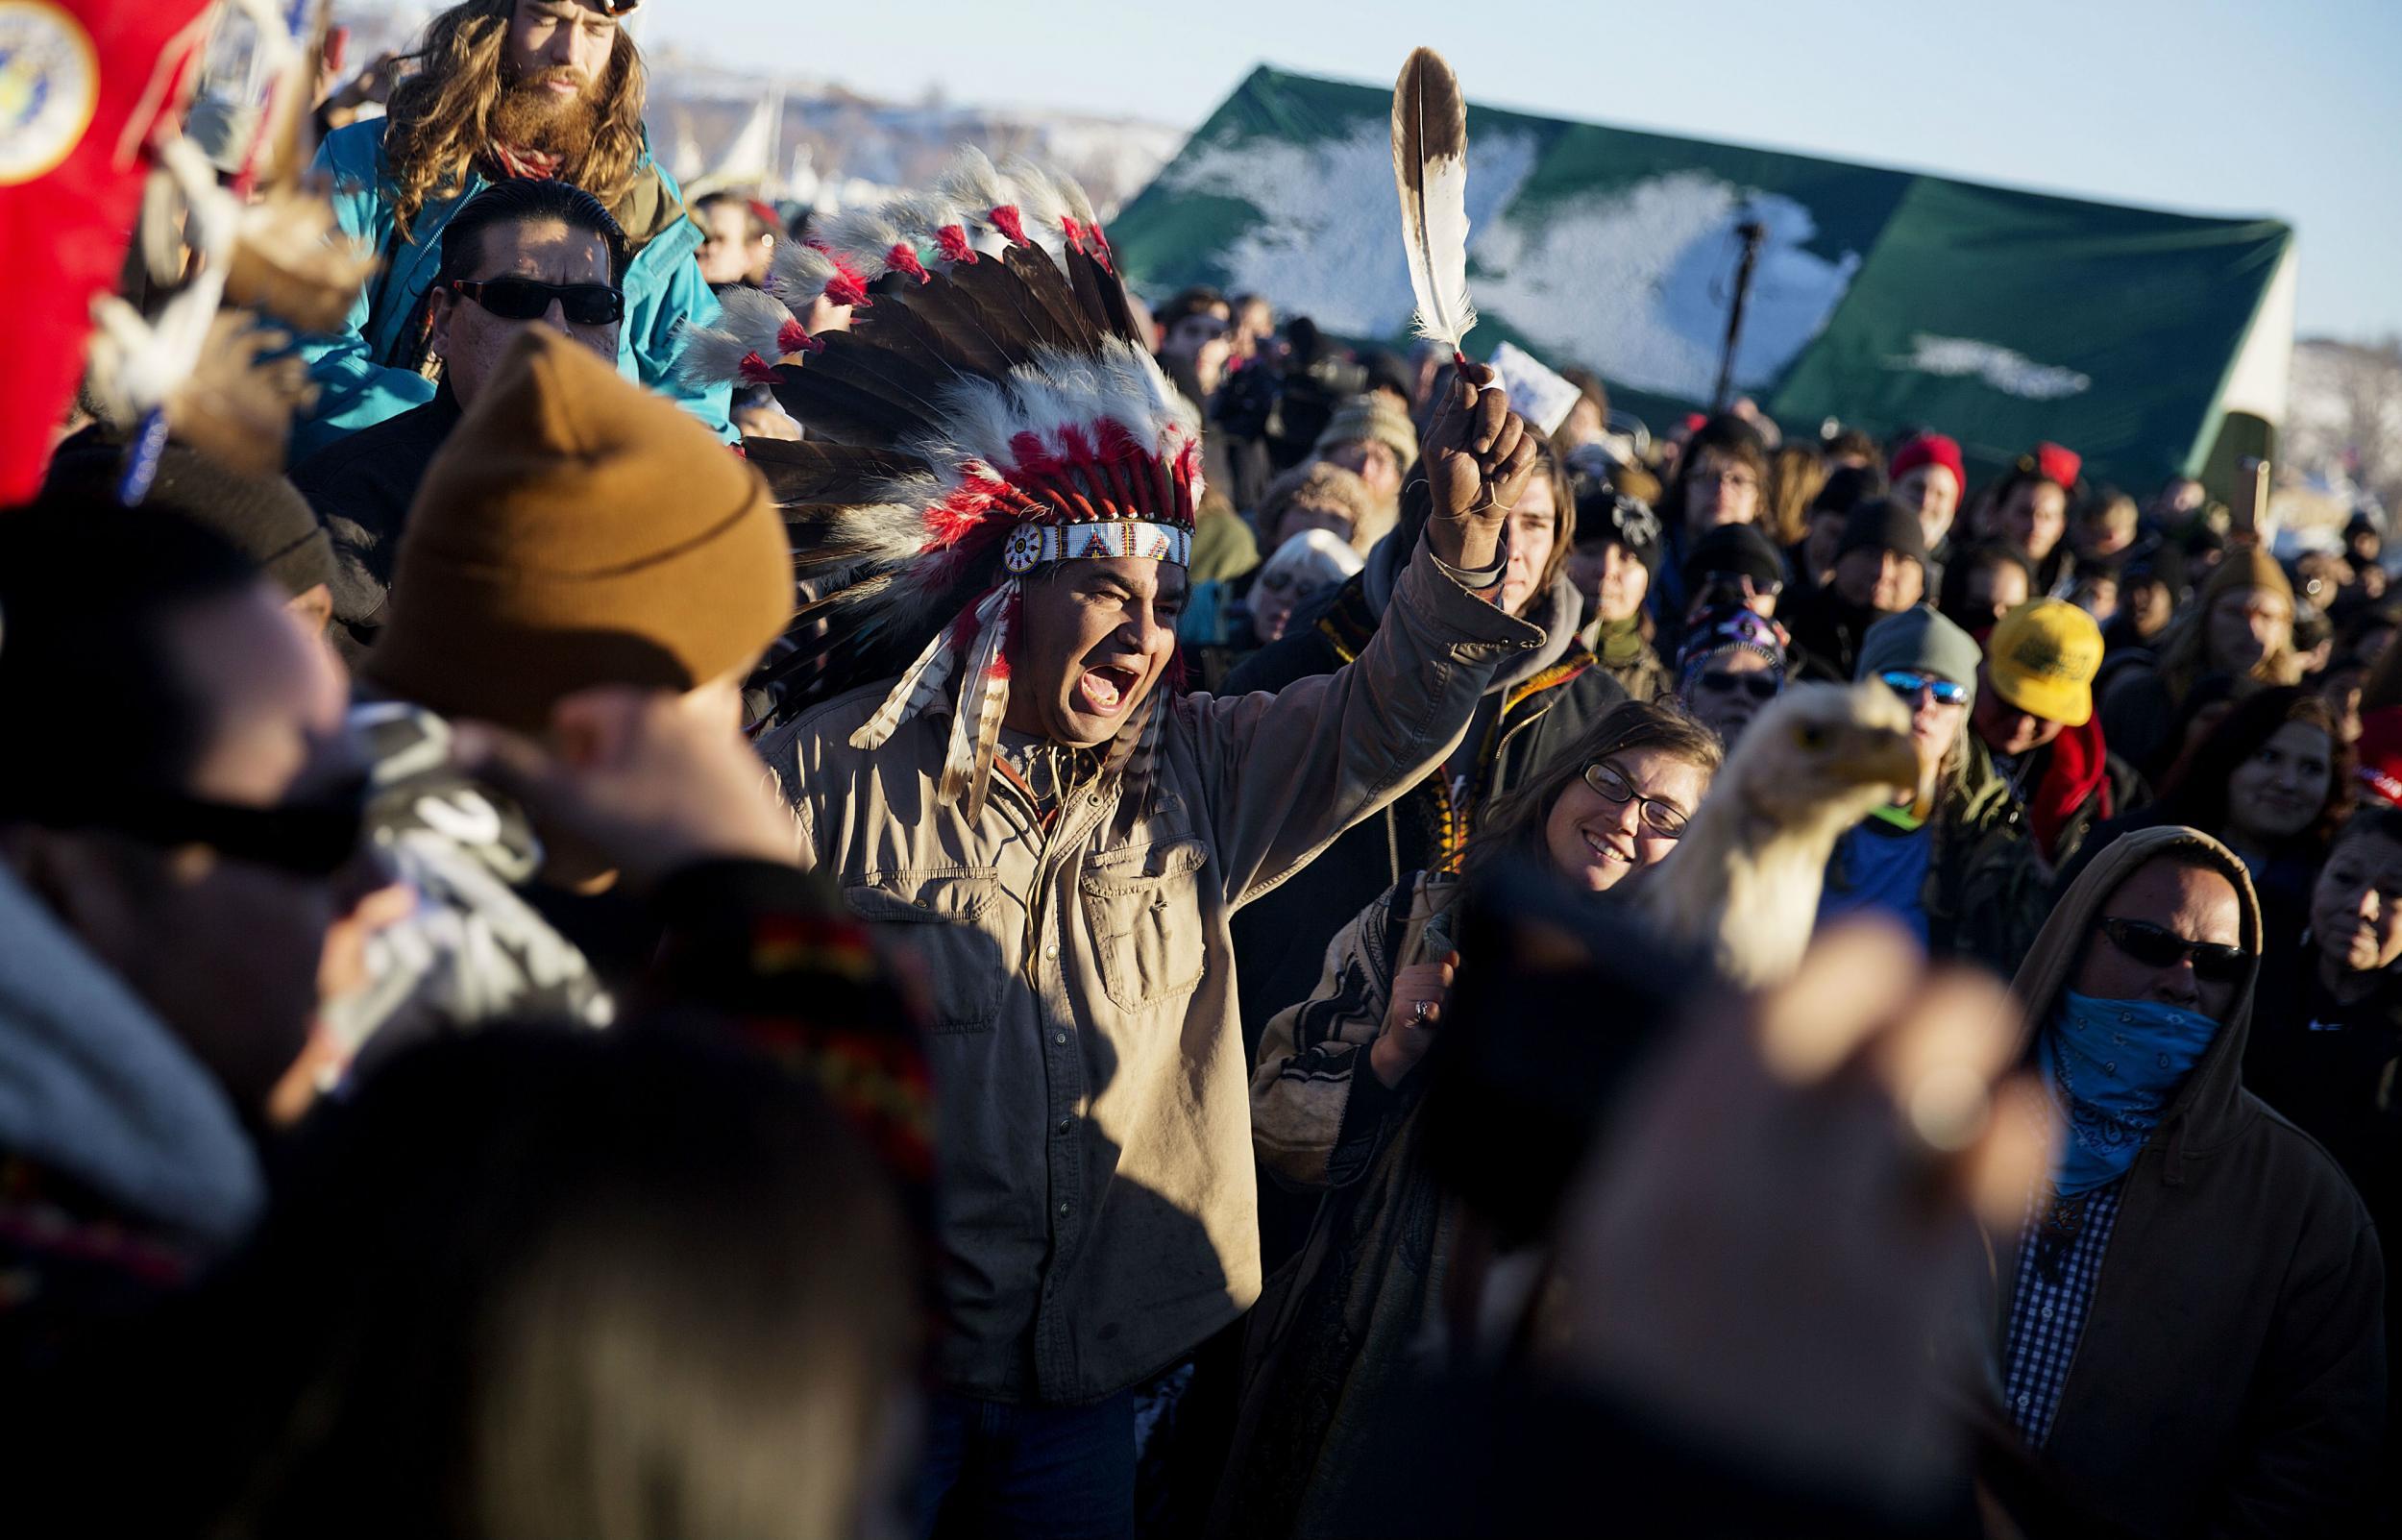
{"x":356,"y":384}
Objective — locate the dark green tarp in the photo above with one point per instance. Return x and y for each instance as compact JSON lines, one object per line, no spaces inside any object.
{"x":1884,"y":298}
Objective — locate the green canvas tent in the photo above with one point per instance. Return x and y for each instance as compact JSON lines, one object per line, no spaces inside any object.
{"x":2153,"y":343}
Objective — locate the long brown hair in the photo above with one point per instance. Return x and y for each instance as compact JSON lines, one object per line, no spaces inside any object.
{"x":440,"y":118}
{"x":1514,"y":827}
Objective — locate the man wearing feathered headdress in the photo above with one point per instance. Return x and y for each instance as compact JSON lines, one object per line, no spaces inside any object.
{"x":503,"y":88}
{"x":985,"y":744}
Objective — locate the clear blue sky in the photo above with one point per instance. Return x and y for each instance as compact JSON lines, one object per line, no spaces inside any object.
{"x":2291,"y":107}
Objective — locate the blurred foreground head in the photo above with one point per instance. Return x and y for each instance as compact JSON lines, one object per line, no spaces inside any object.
{"x":561,"y":1284}
{"x":183,"y":801}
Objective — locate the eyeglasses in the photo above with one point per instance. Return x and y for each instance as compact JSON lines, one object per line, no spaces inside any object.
{"x":1662,"y":819}
{"x":526,"y":299}
{"x":2152,"y":946}
{"x":1908,"y":683}
{"x":1758,"y":685}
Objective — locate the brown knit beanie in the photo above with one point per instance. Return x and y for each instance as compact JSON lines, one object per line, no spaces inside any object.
{"x":1329,"y":486}
{"x":578,"y":530}
{"x":2245,"y":568}
{"x":1377,"y":418}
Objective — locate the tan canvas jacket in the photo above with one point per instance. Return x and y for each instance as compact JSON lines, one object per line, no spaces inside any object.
{"x":1092,"y":1100}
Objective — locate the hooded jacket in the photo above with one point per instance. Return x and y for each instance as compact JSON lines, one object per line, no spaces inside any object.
{"x":1535,"y":702}
{"x":2230,"y":1376}
{"x":123,"y":1164}
{"x":362,"y":371}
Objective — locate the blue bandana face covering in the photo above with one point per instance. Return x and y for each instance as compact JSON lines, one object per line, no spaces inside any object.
{"x":2113,"y":1064}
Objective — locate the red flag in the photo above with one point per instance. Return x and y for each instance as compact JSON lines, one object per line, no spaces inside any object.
{"x":82,"y":85}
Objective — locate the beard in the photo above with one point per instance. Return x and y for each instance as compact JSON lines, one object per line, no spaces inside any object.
{"x":529,"y":115}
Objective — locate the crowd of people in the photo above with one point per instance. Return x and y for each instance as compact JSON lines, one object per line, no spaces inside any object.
{"x":1029,"y":915}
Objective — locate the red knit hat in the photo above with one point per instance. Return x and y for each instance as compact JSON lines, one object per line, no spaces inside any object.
{"x":2058,"y":465}
{"x":1931,"y":449}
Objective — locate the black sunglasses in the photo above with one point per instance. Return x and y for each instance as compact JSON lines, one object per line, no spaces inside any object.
{"x":313,"y":837}
{"x":2152,"y":946}
{"x":526,"y":299}
{"x":1758,"y":685}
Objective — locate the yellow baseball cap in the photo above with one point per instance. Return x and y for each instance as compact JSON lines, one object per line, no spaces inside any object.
{"x":2042,"y":658}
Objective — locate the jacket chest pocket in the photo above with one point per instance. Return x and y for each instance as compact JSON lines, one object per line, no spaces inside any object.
{"x":942,"y":917}
{"x":1144,"y":913}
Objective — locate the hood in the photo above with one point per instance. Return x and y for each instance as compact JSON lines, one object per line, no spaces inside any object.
{"x":2210,"y":1106}
{"x":1556,"y":612}
{"x":95,"y":1085}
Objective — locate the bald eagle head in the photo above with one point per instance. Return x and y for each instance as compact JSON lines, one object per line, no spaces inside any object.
{"x":1821,"y":754}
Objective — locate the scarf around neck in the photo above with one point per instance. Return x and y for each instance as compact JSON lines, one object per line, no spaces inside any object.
{"x":514,"y":161}
{"x":2112,"y":1066}
{"x":1618,"y":643}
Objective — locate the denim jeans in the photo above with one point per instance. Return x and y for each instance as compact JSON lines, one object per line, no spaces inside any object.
{"x":1045,"y":1473}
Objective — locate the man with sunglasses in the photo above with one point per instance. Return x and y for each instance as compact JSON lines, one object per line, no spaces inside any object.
{"x":2187,"y":1337}
{"x":521,"y":254}
{"x":502,"y":91}
{"x":177,"y":840}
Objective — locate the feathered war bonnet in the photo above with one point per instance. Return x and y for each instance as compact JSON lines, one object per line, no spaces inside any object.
{"x":993,"y":410}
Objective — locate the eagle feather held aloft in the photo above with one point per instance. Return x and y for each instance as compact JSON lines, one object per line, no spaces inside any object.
{"x":1431,"y":173}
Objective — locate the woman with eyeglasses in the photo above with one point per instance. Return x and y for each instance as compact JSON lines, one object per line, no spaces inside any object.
{"x":1334,"y":1111}
{"x":2272,"y":782}
{"x":1954,"y":863}
{"x":1731,"y":664}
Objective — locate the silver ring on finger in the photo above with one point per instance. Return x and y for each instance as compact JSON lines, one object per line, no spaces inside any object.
{"x":1418,"y":1011}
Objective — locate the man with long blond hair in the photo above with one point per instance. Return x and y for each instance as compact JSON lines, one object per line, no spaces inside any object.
{"x":500,"y":89}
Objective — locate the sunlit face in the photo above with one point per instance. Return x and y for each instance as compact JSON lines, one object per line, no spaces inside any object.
{"x":1372,"y":460}
{"x":2282,"y":789}
{"x":1093,"y":639}
{"x":2189,"y":902}
{"x":1274,"y":593}
{"x":469,"y":340}
{"x":1994,"y":590}
{"x":2006,"y":728}
{"x":1597,"y":842}
{"x":2034,"y":517}
{"x":555,"y":59}
{"x":1885,"y":581}
{"x":729,"y":255}
{"x":1722,"y":489}
{"x":1934,"y":728}
{"x":1612,"y":579}
{"x":2355,"y":906}
{"x":2246,"y":625}
{"x":1932,"y":493}
{"x":1534,"y":530}
{"x":1729,"y":690}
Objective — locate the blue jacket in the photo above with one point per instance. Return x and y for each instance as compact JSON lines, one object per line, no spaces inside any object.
{"x":358,"y":385}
